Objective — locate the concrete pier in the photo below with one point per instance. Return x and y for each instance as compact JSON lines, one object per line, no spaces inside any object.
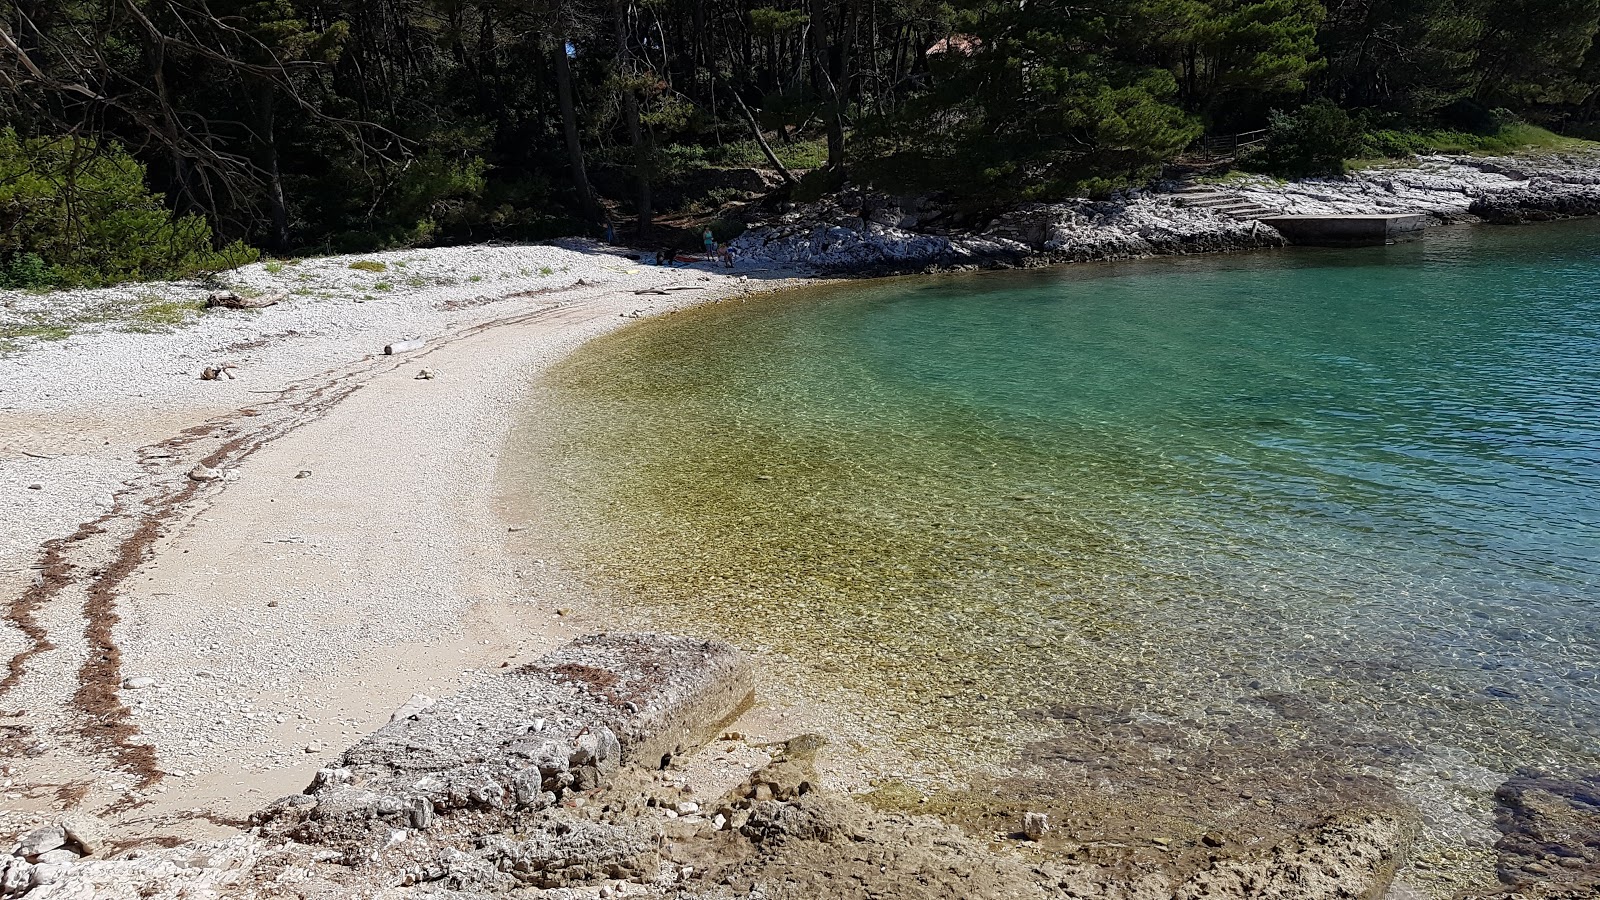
{"x":1347,"y":231}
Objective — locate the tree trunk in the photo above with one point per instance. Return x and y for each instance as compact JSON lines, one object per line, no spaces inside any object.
{"x":630,"y":118}
{"x":766,"y":149}
{"x":822,"y":77}
{"x":277,"y":204}
{"x":569,"y":126}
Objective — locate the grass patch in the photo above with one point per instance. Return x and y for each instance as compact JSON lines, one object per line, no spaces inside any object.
{"x":383,"y":286}
{"x":475,"y":279}
{"x":273,"y":266}
{"x":369,"y":265}
{"x":12,"y":336}
{"x":546,"y":270}
{"x":156,"y":314}
{"x":1377,"y":147}
{"x":809,"y":154}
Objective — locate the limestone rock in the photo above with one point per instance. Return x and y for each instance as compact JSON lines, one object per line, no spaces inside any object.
{"x":412,"y":707}
{"x":61,"y":856}
{"x":15,"y":877}
{"x":41,"y":840}
{"x":603,"y":699}
{"x":84,"y":833}
{"x":1035,"y":825}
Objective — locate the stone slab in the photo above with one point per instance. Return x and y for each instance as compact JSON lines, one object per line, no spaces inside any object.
{"x":1347,"y":231}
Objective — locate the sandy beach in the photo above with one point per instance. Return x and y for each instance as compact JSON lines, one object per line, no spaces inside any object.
{"x":183,"y":651}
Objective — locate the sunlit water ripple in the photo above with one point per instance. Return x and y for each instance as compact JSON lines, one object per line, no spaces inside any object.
{"x":1183,"y":490}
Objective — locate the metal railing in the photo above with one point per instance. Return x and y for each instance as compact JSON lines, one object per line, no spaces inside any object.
{"x":1228,"y":146}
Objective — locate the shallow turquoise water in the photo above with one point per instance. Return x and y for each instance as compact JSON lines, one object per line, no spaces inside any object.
{"x":1365,"y":480}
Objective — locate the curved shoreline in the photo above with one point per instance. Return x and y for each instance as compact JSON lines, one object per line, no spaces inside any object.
{"x":381,"y":446}
{"x":178,"y":576}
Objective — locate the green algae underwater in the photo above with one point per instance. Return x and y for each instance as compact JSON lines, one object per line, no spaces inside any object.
{"x":1233,"y":512}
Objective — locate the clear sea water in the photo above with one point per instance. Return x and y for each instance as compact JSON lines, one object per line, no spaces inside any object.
{"x":1330,"y":492}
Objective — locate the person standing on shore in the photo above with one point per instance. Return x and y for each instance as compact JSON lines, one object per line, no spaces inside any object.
{"x":710,"y":240}
{"x":611,"y":232}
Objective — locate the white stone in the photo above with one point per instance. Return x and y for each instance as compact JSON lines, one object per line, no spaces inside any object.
{"x":61,"y":856}
{"x":48,"y":873}
{"x":1035,"y":825}
{"x":410,"y":708}
{"x":40,"y":840}
{"x":18,"y":876}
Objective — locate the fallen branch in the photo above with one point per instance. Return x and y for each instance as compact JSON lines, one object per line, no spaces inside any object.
{"x":230,"y":300}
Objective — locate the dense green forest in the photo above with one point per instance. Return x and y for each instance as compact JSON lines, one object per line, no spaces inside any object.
{"x":149,"y":137}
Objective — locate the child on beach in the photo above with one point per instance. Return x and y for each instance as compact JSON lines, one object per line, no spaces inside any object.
{"x":711,"y":241}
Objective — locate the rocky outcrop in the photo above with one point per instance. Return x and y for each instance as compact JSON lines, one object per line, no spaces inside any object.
{"x":1542,"y":200}
{"x":474,"y":792}
{"x":858,"y":232}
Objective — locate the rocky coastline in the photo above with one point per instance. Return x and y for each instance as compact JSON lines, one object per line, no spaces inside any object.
{"x":858,"y":232}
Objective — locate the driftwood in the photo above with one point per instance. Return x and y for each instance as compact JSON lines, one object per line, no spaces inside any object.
{"x":230,"y":300}
{"x":402,"y":347}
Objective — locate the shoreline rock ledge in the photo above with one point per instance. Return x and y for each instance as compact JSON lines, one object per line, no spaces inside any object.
{"x":462,"y":791}
{"x":546,"y":782}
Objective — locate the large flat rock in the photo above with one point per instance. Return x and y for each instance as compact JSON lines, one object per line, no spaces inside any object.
{"x":519,"y":743}
{"x":1347,"y":230}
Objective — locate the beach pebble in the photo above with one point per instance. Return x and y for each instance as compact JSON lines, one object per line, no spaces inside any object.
{"x":424,"y":375}
{"x":688,"y":807}
{"x":1035,"y":825}
{"x":137,"y":682}
{"x":204,"y":473}
{"x":36,"y":486}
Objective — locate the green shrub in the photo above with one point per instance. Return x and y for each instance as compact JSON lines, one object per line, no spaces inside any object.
{"x":369,"y":265}
{"x":76,"y":213}
{"x":725,"y":230}
{"x":26,"y":270}
{"x":1314,"y":140}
